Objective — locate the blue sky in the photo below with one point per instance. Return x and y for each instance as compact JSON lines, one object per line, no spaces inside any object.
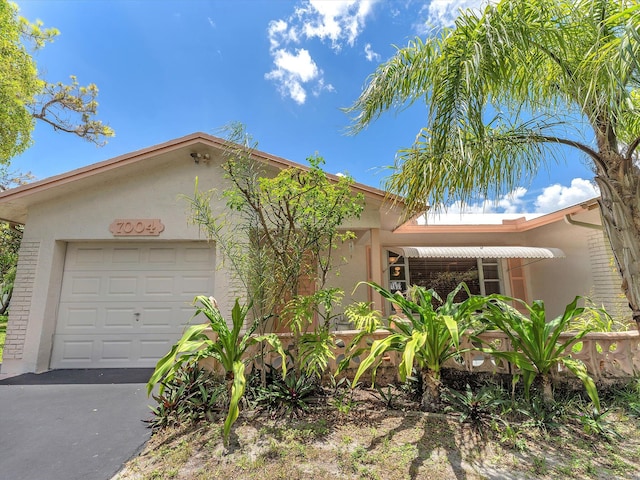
{"x":283,"y":68}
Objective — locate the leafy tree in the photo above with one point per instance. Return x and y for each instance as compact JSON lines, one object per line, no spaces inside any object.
{"x":278,"y":232}
{"x":10,"y":237}
{"x":25,"y":96}
{"x":505,"y":89}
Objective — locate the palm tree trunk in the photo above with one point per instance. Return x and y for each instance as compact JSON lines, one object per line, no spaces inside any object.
{"x":431,"y":390}
{"x":620,"y":209}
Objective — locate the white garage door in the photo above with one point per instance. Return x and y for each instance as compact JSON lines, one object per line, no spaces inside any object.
{"x":124,"y":305}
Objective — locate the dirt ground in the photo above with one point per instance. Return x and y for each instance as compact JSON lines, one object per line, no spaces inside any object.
{"x":364,"y":440}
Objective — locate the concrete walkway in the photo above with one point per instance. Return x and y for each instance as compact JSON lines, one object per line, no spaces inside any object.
{"x":72,"y":424}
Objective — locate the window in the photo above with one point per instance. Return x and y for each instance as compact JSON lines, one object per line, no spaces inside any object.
{"x":482,"y":275}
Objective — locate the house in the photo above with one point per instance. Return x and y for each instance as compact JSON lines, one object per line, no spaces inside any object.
{"x":109,"y":264}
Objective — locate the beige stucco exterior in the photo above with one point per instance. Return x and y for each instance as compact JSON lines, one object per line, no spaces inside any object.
{"x":78,"y":207}
{"x":587,"y":269}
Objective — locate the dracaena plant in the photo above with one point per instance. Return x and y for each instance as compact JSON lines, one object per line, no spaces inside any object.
{"x":227,"y":345}
{"x":425,"y":335}
{"x":536,"y":347}
{"x":313,"y":341}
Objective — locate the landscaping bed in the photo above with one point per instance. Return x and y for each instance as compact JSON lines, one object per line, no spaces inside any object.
{"x":367,"y":434}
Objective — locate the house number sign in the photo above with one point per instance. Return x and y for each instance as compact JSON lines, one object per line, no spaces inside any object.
{"x":131,"y":227}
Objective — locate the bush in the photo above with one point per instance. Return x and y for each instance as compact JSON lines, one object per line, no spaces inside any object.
{"x":287,"y":396}
{"x":191,"y":395}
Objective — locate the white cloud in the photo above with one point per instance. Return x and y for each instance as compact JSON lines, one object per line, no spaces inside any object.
{"x":300,"y":64}
{"x":442,"y":13}
{"x":280,"y":32}
{"x":556,"y":197}
{"x":338,"y":21}
{"x":512,"y":202}
{"x":291,"y":71}
{"x":320,"y":87}
{"x":211,"y":22}
{"x":370,"y":54}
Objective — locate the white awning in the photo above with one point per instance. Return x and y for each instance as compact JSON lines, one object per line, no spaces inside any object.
{"x":479,"y":252}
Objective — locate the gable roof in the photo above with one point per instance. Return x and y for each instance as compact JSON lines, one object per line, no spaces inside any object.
{"x":14,"y":203}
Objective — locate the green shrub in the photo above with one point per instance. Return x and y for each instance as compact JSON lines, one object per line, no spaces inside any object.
{"x":425,"y":335}
{"x":191,"y":395}
{"x":228,"y":347}
{"x":478,"y":408}
{"x":536,"y":348}
{"x":287,"y":395}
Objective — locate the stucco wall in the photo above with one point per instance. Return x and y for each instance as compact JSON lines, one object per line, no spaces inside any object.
{"x":558,"y":281}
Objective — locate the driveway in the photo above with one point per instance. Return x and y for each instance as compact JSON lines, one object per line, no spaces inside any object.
{"x":72,"y":424}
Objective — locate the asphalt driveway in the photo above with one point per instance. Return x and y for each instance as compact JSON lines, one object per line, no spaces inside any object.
{"x":72,"y":424}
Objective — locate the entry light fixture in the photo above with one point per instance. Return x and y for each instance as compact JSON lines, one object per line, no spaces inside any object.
{"x":198,"y":157}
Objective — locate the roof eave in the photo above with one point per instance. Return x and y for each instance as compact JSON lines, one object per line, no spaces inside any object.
{"x":139,"y":155}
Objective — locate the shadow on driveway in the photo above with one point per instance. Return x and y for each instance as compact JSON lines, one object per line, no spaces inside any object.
{"x":72,"y":424}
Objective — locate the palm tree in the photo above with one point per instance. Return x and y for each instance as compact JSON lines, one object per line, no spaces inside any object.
{"x":506,"y":89}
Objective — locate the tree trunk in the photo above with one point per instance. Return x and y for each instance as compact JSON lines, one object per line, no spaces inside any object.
{"x":620,"y":209}
{"x":547,"y":389}
{"x":431,"y":390}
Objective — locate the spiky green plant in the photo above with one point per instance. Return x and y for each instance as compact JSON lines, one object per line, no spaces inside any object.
{"x":536,"y":347}
{"x":228,"y":346}
{"x":426,"y":335}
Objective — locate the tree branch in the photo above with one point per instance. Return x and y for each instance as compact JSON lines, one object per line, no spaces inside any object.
{"x":631,"y":148}
{"x":593,"y":154}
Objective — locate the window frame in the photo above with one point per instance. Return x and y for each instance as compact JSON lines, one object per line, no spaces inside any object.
{"x":480,"y":265}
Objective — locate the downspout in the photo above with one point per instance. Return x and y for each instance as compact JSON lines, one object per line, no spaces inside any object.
{"x":571,"y":221}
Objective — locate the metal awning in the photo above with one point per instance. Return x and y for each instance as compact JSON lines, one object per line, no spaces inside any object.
{"x":479,"y":252}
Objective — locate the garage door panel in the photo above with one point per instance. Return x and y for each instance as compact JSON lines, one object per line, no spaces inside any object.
{"x":152,"y":350}
{"x":125,"y":305}
{"x":116,"y":350}
{"x":122,"y":285}
{"x":81,"y":318}
{"x":129,"y":256}
{"x":122,"y":317}
{"x":192,"y":285}
{"x":159,"y":317}
{"x":195,"y":256}
{"x":114,"y":317}
{"x":88,"y":256}
{"x":83,"y":351}
{"x":78,"y":349}
{"x":84,"y":286}
{"x":163,"y":255}
{"x":159,"y":285}
{"x":118,"y":287}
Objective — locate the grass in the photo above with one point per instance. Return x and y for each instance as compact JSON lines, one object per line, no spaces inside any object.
{"x":3,"y":333}
{"x":371,"y":442}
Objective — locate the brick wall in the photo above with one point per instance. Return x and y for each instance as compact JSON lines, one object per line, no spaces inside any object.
{"x":21,"y":300}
